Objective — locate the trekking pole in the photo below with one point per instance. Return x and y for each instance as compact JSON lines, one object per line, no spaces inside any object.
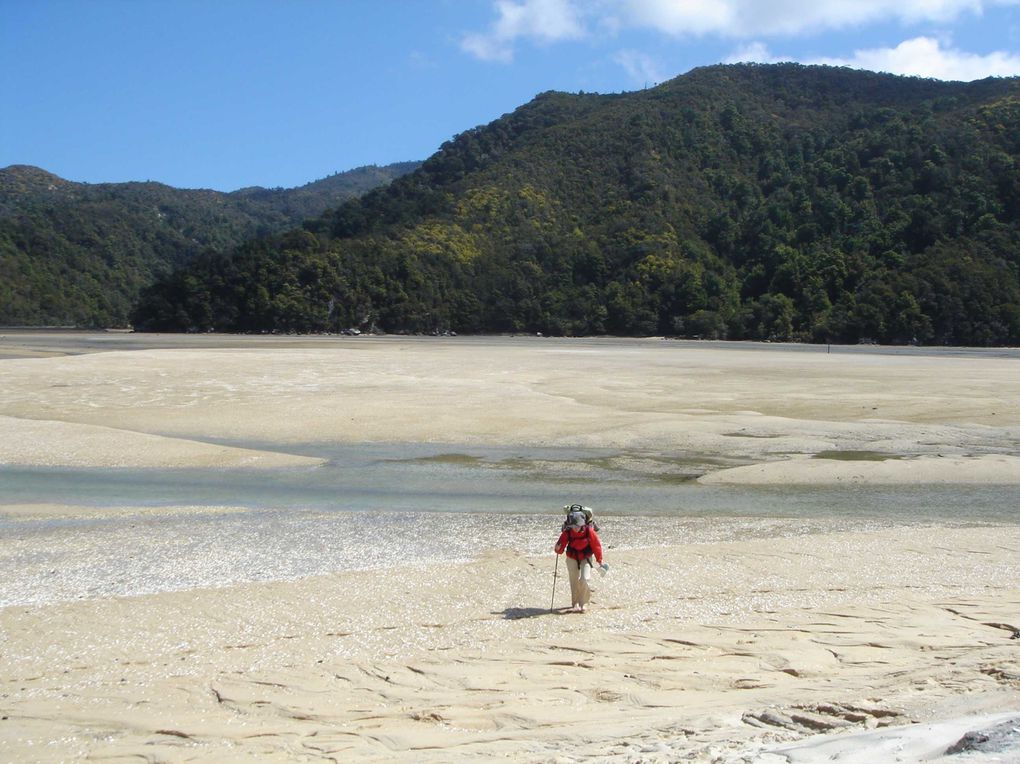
{"x":556,"y":571}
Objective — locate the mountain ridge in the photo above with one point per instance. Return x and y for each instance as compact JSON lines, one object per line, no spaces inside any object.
{"x":736,"y":201}
{"x":79,"y":253}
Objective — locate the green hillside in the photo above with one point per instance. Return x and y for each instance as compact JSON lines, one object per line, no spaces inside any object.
{"x":78,"y":254}
{"x":782,"y":202}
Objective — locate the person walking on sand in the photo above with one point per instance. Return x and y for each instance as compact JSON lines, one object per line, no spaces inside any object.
{"x":581,"y":542}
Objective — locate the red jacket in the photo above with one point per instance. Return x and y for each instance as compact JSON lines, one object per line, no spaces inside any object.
{"x":580,"y":544}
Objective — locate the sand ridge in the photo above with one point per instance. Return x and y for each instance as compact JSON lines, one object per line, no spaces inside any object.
{"x":1002,"y":469}
{"x":48,"y":443}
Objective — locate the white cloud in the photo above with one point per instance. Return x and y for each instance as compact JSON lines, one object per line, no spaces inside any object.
{"x":926,"y":57}
{"x":752,"y":53}
{"x":548,"y":21}
{"x":488,"y":48}
{"x":640,"y":67}
{"x":681,"y":17}
{"x":919,"y":57}
{"x":540,"y":20}
{"x":754,"y":18}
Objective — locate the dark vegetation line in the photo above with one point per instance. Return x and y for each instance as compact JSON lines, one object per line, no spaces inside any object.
{"x":740,"y":202}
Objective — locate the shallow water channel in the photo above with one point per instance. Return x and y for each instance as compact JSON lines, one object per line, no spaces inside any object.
{"x":385,"y":505}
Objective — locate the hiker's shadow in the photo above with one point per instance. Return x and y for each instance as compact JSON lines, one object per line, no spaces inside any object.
{"x":516,"y":613}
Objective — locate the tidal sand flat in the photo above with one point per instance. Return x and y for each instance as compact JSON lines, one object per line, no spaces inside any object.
{"x":721,"y":651}
{"x":751,"y":403}
{"x":222,"y":549}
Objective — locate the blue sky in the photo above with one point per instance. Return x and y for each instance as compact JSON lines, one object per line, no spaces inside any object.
{"x":231,"y":93}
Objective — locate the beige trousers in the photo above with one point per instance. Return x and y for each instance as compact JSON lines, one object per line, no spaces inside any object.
{"x":580,"y":594}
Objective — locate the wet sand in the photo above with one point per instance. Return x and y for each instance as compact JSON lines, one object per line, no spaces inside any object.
{"x":705,"y":651}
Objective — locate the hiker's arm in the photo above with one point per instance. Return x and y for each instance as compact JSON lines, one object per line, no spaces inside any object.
{"x":596,"y":545}
{"x":561,"y":543}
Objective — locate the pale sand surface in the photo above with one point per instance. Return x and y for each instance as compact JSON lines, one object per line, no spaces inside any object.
{"x":752,"y":405}
{"x":40,"y":511}
{"x":706,"y":652}
{"x":999,"y":469}
{"x":53,"y":443}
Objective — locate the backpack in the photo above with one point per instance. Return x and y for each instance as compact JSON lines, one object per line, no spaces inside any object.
{"x":574,"y":509}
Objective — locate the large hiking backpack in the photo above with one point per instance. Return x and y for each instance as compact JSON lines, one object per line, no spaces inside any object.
{"x":573,"y":510}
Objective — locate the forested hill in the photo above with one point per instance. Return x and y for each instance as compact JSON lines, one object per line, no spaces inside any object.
{"x":78,"y":254}
{"x":747,"y":201}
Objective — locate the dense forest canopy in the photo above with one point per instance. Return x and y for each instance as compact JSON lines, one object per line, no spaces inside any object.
{"x":766,"y":202}
{"x":78,"y":254}
{"x":751,"y":201}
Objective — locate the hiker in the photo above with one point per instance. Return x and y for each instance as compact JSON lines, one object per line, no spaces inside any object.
{"x":581,"y":542}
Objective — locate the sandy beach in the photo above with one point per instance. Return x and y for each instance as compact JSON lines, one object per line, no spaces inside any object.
{"x":716,"y":652}
{"x":890,"y":640}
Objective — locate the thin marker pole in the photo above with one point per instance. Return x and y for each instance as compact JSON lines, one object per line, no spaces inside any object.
{"x":556,"y":572}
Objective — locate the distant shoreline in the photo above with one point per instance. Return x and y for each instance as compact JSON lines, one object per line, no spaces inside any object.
{"x":69,"y":339}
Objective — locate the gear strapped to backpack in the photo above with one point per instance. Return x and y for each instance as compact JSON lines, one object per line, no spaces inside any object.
{"x":573,"y":510}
